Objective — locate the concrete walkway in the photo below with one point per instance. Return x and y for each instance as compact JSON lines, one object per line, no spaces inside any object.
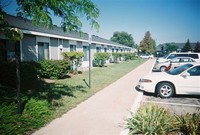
{"x":102,"y":114}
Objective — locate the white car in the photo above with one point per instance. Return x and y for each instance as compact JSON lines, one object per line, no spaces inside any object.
{"x":175,"y":62}
{"x":182,"y":80}
{"x":146,"y":56}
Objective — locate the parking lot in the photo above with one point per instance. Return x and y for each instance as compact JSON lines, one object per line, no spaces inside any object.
{"x":178,"y":104}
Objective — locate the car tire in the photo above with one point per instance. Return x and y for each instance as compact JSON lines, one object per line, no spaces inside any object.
{"x":165,"y":90}
{"x":162,"y":69}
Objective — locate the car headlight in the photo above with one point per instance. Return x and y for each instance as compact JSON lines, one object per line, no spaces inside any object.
{"x":145,"y":80}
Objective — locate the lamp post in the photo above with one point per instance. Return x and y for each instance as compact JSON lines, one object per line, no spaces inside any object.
{"x":90,"y":38}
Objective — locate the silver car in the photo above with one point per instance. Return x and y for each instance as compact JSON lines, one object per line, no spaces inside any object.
{"x":173,"y":63}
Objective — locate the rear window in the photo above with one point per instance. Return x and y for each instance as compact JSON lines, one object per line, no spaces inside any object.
{"x":172,"y":56}
{"x":195,"y":56}
{"x":182,"y":55}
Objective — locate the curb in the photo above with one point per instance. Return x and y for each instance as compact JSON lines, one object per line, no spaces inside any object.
{"x":134,"y":109}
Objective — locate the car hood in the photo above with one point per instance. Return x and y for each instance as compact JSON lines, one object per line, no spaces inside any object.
{"x":161,"y":60}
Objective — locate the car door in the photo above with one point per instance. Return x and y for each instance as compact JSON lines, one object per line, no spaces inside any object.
{"x":181,"y":62}
{"x":189,"y":81}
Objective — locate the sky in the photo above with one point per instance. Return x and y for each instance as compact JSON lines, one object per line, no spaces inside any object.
{"x":167,"y":20}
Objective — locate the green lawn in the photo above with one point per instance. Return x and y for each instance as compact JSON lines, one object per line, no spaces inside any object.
{"x":45,"y":101}
{"x":100,"y":78}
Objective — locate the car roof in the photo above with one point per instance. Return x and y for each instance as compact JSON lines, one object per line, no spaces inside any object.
{"x":183,"y":57}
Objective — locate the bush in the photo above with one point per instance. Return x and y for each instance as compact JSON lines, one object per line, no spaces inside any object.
{"x":151,"y":119}
{"x":54,"y":69}
{"x":100,"y":59}
{"x":116,"y":57}
{"x":28,"y":70}
{"x":189,"y":124}
{"x":128,"y":56}
{"x":35,"y":115}
{"x":75,"y":59}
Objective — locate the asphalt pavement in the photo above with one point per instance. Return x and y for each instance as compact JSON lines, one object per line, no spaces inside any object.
{"x":105,"y":112}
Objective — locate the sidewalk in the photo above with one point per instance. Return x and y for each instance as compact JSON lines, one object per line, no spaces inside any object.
{"x":102,"y":114}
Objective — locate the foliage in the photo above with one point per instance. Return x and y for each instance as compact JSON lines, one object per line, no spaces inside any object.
{"x":151,"y":119}
{"x":35,"y":115}
{"x":197,"y":47}
{"x":29,"y":72}
{"x":128,"y":56}
{"x":187,"y":46}
{"x":170,"y":47}
{"x":50,"y":101}
{"x":68,"y":10}
{"x":147,"y":45}
{"x":123,"y":38}
{"x":75,"y":58}
{"x":189,"y":124}
{"x":100,"y":58}
{"x":54,"y":69}
{"x":115,"y":57}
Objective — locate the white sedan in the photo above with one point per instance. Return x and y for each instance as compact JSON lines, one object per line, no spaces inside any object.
{"x":182,"y":80}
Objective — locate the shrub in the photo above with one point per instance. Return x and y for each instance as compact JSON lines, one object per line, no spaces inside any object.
{"x":116,"y":57}
{"x":100,"y":59}
{"x":189,"y":124}
{"x":35,"y":115}
{"x":75,"y":59}
{"x":54,"y":69}
{"x":28,"y":70}
{"x":150,"y":119}
{"x":128,"y":56}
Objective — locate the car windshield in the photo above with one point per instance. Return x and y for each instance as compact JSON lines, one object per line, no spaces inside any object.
{"x":165,"y":56}
{"x":180,"y":69}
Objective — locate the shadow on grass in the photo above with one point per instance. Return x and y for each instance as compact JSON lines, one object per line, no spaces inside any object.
{"x":41,"y":90}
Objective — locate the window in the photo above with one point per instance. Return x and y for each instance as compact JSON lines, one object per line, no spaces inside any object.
{"x":113,"y":50}
{"x":72,"y":48}
{"x":86,"y":53}
{"x":195,"y":56}
{"x":194,"y":71}
{"x":43,"y":51}
{"x":105,"y":49}
{"x":98,"y":49}
{"x":182,"y":55}
{"x":184,"y":60}
{"x":172,"y":56}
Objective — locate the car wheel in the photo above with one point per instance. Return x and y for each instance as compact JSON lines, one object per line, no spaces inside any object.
{"x":165,"y":90}
{"x":162,"y":69}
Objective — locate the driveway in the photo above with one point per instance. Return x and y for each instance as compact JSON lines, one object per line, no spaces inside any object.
{"x":104,"y":113}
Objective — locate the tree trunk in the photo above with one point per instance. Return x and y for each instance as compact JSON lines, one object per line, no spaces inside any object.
{"x":17,"y":57}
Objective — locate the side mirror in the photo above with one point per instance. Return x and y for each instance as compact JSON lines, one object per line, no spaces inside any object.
{"x":185,"y":74}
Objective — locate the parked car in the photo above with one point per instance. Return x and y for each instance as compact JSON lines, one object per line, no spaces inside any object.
{"x":182,"y":80}
{"x":146,"y":56}
{"x":173,"y":63}
{"x":170,"y":56}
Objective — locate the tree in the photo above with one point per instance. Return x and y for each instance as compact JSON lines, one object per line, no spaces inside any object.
{"x":39,"y":12}
{"x":123,"y":38}
{"x":147,"y":45}
{"x":197,"y":47}
{"x":187,"y":46}
{"x":170,"y":47}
